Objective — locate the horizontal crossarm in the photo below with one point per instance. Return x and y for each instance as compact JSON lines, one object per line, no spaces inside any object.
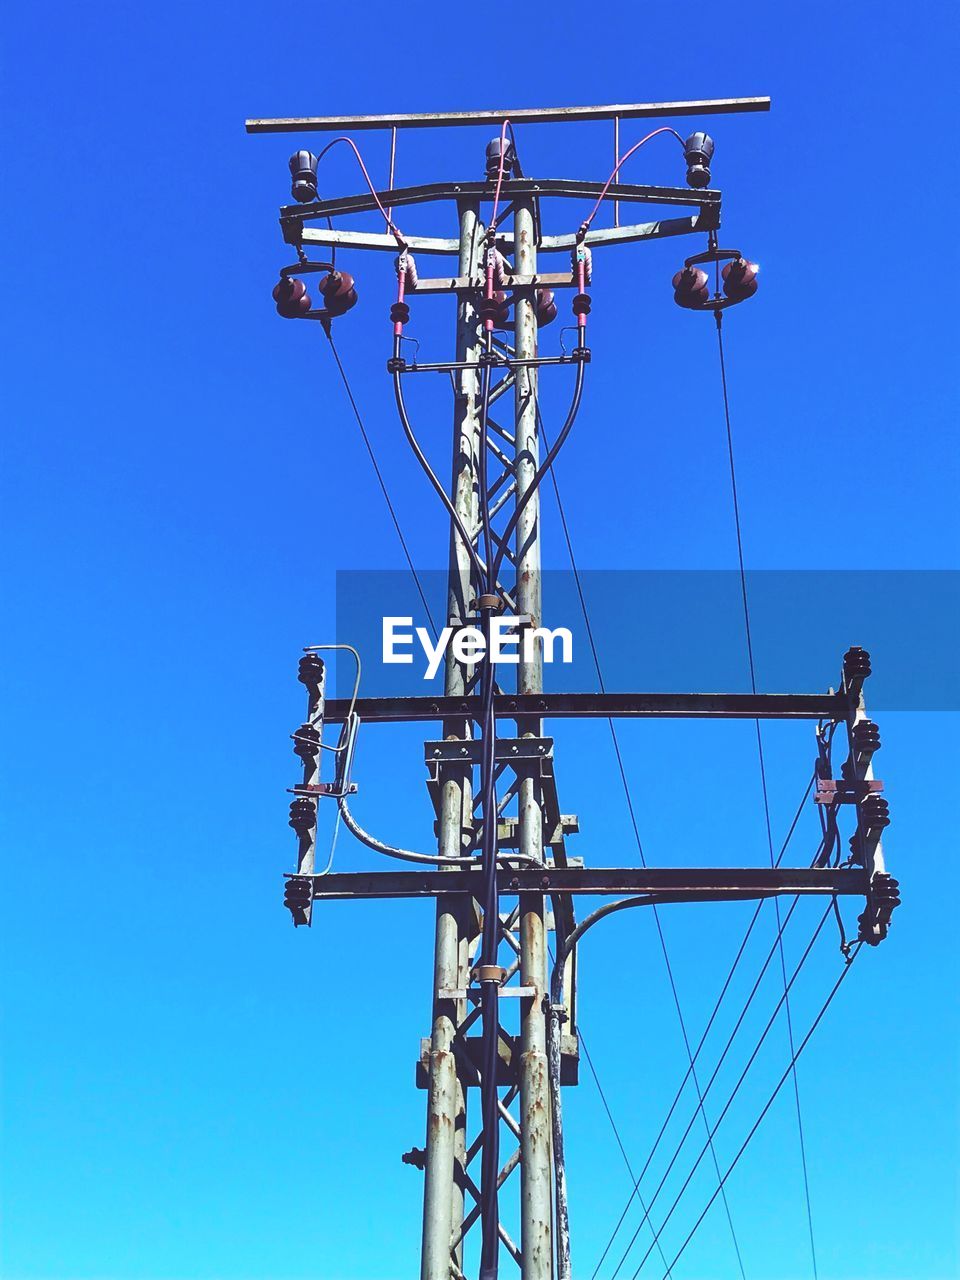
{"x":569,"y":188}
{"x":708,"y":706}
{"x":694,"y":884}
{"x":517,"y":115}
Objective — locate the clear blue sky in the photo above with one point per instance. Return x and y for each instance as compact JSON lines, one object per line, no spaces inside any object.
{"x":192,"y":1090}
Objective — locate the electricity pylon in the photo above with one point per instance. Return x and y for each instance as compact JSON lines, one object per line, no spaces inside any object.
{"x":498,"y":817}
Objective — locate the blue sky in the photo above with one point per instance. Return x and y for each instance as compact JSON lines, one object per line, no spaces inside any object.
{"x":191,"y":1090}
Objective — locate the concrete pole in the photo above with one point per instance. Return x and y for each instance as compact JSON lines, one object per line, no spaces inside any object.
{"x":446,"y":1099}
{"x":536,"y":1236}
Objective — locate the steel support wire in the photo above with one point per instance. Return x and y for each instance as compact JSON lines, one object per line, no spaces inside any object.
{"x":636,"y":832}
{"x":703,"y":1039}
{"x":760,"y":756}
{"x":616,"y":1133}
{"x":736,"y":1089}
{"x":556,"y":1012}
{"x":767,"y":1105}
{"x":379,"y":474}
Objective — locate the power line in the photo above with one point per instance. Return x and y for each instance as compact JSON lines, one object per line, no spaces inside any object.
{"x":703,"y":1038}
{"x":763,"y":774}
{"x":636,"y":833}
{"x":616,"y":1132}
{"x":383,"y":484}
{"x":736,"y":1089}
{"x":767,"y":1106}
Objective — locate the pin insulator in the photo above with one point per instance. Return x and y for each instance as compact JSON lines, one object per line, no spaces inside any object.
{"x":303,"y":170}
{"x":866,"y":737}
{"x":303,"y":815}
{"x":884,"y":899}
{"x":311,"y":669}
{"x":493,"y":167}
{"x":495,"y":309}
{"x":691,"y":287}
{"x":298,"y":894}
{"x":698,"y":152}
{"x":291,"y":298}
{"x":875,"y":813}
{"x":306,"y":743}
{"x":740,"y":280}
{"x":339,"y":292}
{"x":546,"y":307}
{"x":856,"y":663}
{"x":885,"y":890}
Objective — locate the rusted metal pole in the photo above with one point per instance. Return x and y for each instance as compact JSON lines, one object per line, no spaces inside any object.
{"x":446,"y":1098}
{"x":536,"y":1234}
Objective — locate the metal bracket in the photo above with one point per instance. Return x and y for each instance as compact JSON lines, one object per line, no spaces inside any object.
{"x":324,"y":789}
{"x":468,"y":751}
{"x":474,"y":993}
{"x":842,"y":791}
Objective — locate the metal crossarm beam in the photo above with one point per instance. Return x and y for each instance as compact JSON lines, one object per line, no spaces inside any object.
{"x":707,"y":706}
{"x":678,"y":883}
{"x":513,"y":188}
{"x":519,"y":115}
{"x":706,"y":220}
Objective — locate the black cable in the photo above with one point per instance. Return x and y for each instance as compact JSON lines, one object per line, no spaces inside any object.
{"x":428,"y":470}
{"x":703,"y":1038}
{"x":633,"y":819}
{"x":736,"y":1088}
{"x":716,"y":1070}
{"x":383,"y":483}
{"x":616,"y":1133}
{"x":767,"y":1105}
{"x":545,"y":466}
{"x":763,"y":773}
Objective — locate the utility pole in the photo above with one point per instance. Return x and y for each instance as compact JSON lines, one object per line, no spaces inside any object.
{"x":498,"y":816}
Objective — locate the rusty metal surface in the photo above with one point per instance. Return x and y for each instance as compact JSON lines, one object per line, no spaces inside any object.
{"x":706,"y":883}
{"x":709,"y":706}
{"x":517,"y":115}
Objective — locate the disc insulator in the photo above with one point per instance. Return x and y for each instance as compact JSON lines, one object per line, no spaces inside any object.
{"x":292,"y":298}
{"x":691,"y":288}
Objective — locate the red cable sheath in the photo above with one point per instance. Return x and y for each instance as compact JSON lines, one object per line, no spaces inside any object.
{"x":401,"y":288}
{"x":391,"y":226}
{"x":626,"y":156}
{"x":496,"y":194}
